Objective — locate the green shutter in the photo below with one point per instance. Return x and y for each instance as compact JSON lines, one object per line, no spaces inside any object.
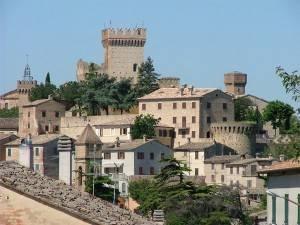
{"x":286,"y":209}
{"x":273,"y":209}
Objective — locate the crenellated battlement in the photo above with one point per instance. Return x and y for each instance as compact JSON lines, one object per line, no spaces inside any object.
{"x":124,"y":37}
{"x":247,"y":128}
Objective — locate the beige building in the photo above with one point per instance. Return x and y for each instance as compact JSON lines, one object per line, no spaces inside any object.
{"x":123,"y":54}
{"x":4,"y":139}
{"x":38,"y":153}
{"x":189,"y":110}
{"x":19,"y":96}
{"x":41,"y":117}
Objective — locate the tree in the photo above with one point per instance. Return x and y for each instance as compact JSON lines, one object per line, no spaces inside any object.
{"x":279,"y":114}
{"x":291,"y":82}
{"x":42,"y":91}
{"x":147,"y":78}
{"x":69,"y":93}
{"x":47,"y":79}
{"x":9,"y":113}
{"x":144,"y":125}
{"x":123,"y":95}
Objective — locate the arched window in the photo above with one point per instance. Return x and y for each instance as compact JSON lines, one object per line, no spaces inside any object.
{"x":134,"y":67}
{"x":207,"y":134}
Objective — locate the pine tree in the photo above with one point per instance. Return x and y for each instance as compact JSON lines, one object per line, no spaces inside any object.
{"x":47,"y":80}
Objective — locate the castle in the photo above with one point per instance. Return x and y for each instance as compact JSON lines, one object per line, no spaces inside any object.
{"x":123,"y":54}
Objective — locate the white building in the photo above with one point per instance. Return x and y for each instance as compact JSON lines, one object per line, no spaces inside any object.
{"x":283,"y":201}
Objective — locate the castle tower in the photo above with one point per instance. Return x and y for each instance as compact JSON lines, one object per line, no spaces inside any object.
{"x":124,"y":51}
{"x":87,"y":148}
{"x":235,"y":82}
{"x":24,"y":87}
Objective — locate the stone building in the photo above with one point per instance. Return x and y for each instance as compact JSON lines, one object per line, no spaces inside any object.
{"x":41,"y":117}
{"x":19,"y":96}
{"x":38,"y":153}
{"x":123,"y":53}
{"x":189,"y":110}
{"x":9,"y":126}
{"x":235,"y":83}
{"x":4,"y":139}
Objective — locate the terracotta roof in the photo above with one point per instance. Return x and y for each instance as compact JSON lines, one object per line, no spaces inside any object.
{"x":40,"y":101}
{"x":282,"y":166}
{"x":196,"y":145}
{"x":88,"y":136}
{"x":8,"y":93}
{"x":222,"y":159}
{"x":250,"y":160}
{"x":4,"y":136}
{"x":163,"y":93}
{"x":9,"y":123}
{"x":126,"y":121}
{"x":37,"y":140}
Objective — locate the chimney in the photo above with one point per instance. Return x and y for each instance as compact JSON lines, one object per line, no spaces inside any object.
{"x":191,"y":89}
{"x":117,"y":143}
{"x":181,"y":91}
{"x":145,"y":138}
{"x":281,"y":158}
{"x":243,"y":157}
{"x":270,"y":156}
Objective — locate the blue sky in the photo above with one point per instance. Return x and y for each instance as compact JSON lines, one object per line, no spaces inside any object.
{"x":196,"y":40}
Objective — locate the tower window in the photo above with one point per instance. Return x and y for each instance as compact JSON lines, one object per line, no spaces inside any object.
{"x":134,"y":67}
{"x":43,"y":113}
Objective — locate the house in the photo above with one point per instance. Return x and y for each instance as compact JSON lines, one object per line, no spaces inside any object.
{"x":38,"y":153}
{"x":41,"y":117}
{"x":5,"y":138}
{"x":283,"y":192}
{"x":189,"y":110}
{"x":9,"y":125}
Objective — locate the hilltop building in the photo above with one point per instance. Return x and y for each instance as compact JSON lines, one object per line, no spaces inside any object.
{"x":19,"y":96}
{"x":123,"y":54}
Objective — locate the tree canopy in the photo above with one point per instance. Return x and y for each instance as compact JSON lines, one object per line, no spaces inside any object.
{"x":144,"y":125}
{"x":42,"y":91}
{"x":9,"y":113}
{"x":279,"y":114}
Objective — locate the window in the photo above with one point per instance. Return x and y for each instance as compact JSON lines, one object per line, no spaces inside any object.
{"x":212,"y":166}
{"x":249,"y":183}
{"x":184,"y":105}
{"x":141,"y":170}
{"x":162,"y":155}
{"x":224,"y":119}
{"x":43,"y":113}
{"x":223,"y":166}
{"x":9,"y":152}
{"x":183,"y":133}
{"x":231,"y":183}
{"x":37,"y":152}
{"x":160,"y":133}
{"x":171,"y":134}
{"x":56,"y":128}
{"x":208,"y":105}
{"x":134,"y":68}
{"x":193,"y":134}
{"x":28,"y":125}
{"x":174,"y":120}
{"x":106,"y":170}
{"x":151,"y":170}
{"x":224,"y":105}
{"x":36,"y":167}
{"x":238,"y":170}
{"x":253,"y":169}
{"x":123,"y":131}
{"x":107,"y":155}
{"x":28,"y":114}
{"x":208,"y":120}
{"x":152,"y":155}
{"x":185,"y":154}
{"x":56,"y":114}
{"x":213,"y":179}
{"x":193,"y":119}
{"x":159,"y":106}
{"x":165,"y":133}
{"x":222,"y":178}
{"x":143,"y":106}
{"x":121,"y":155}
{"x":123,"y":188}
{"x":174,"y":105}
{"x":196,"y":171}
{"x":46,"y":128}
{"x":231,"y":170}
{"x":193,"y":105}
{"x":183,"y":121}
{"x":207,"y":134}
{"x":237,"y":183}
{"x":6,"y":105}
{"x":196,"y":155}
{"x":140,"y":155}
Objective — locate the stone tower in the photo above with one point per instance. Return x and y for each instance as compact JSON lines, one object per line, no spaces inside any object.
{"x":123,"y":54}
{"x":24,"y":87}
{"x":235,"y":82}
{"x":87,"y":148}
{"x":124,"y":51}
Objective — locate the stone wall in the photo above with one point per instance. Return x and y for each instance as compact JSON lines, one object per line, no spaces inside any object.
{"x":67,"y":199}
